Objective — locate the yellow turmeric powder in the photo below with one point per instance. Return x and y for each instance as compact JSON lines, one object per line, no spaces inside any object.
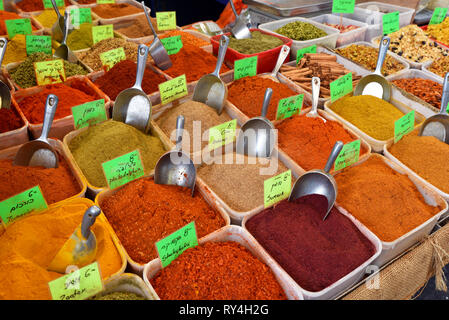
{"x":15,"y":50}
{"x":48,"y":17}
{"x":29,"y":244}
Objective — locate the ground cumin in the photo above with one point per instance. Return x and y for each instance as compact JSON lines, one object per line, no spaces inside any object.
{"x":112,"y":10}
{"x":385,"y":201}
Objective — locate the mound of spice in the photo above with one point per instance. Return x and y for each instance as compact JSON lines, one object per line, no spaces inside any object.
{"x":425,"y":155}
{"x":247,"y":95}
{"x":309,"y":141}
{"x":322,"y":65}
{"x":29,"y":244}
{"x":119,"y":296}
{"x":194,"y":62}
{"x":439,"y":32}
{"x":34,"y":5}
{"x":217,"y":271}
{"x":143,"y":212}
{"x":15,"y":50}
{"x":109,"y":140}
{"x":225,"y":174}
{"x":6,"y":15}
{"x":343,"y":28}
{"x":370,"y":114}
{"x":33,"y":106}
{"x":385,"y":201}
{"x":258,"y":42}
{"x":195,"y":114}
{"x":366,"y":56}
{"x":48,"y":17}
{"x":440,"y":66}
{"x":56,"y":184}
{"x":137,"y":27}
{"x":301,"y":31}
{"x":24,"y":75}
{"x":425,"y":89}
{"x":10,"y":119}
{"x":315,"y":253}
{"x":80,"y":38}
{"x":86,"y":1}
{"x":123,"y":75}
{"x":92,"y":57}
{"x":112,"y":10}
{"x":186,"y":38}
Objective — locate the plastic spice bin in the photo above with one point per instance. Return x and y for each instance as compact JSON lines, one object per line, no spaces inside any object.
{"x":426,"y":68}
{"x":204,"y":193}
{"x":345,"y":282}
{"x":344,"y":37}
{"x":266,"y":60}
{"x":17,"y":136}
{"x":237,"y":234}
{"x":329,"y":40}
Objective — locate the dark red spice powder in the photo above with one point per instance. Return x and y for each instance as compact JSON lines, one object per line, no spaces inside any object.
{"x":315,"y":253}
{"x":34,"y":5}
{"x":9,"y":119}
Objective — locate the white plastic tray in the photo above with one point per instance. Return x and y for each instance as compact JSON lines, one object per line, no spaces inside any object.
{"x":425,"y":67}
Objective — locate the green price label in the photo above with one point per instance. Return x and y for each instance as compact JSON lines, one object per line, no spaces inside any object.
{"x":348,"y":155}
{"x":80,"y":15}
{"x":246,"y":67}
{"x":173,"y":89}
{"x":176,"y":243}
{"x":48,"y":72}
{"x":38,"y":44}
{"x":222,"y":134}
{"x":18,"y":26}
{"x":48,"y":5}
{"x":277,"y":188}
{"x":105,"y":1}
{"x":77,"y":285}
{"x":123,"y":169}
{"x":438,"y":15}
{"x":21,"y":204}
{"x":341,"y":87}
{"x":2,"y":5}
{"x":289,"y":106}
{"x":390,"y":22}
{"x":343,"y":6}
{"x":112,"y":57}
{"x":166,"y":20}
{"x":89,"y":113}
{"x":447,"y":108}
{"x":404,"y":125}
{"x":102,"y":32}
{"x":172,"y":44}
{"x":301,"y":52}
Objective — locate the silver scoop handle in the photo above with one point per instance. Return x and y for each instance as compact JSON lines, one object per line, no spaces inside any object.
{"x":445,"y":94}
{"x":89,"y":218}
{"x":266,"y":101}
{"x":179,"y":130}
{"x":316,"y":85}
{"x":224,"y":41}
{"x":142,"y":55}
{"x":285,"y":50}
{"x":149,"y":20}
{"x":383,"y":48}
{"x":50,"y":110}
{"x":53,"y":2}
{"x":66,"y":27}
{"x":3,"y":44}
{"x":233,"y":8}
{"x":334,"y":154}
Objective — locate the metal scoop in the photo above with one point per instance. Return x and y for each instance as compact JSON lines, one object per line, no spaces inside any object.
{"x":210,"y":89}
{"x":132,"y":105}
{"x":39,"y":153}
{"x":375,"y":84}
{"x":5,"y":92}
{"x":81,"y":248}
{"x":239,"y":30}
{"x":58,"y":26}
{"x":319,"y":182}
{"x":175,"y":167}
{"x":63,"y":51}
{"x":313,"y":113}
{"x":285,"y":50}
{"x":257,"y":136}
{"x":157,"y":50}
{"x":438,"y":125}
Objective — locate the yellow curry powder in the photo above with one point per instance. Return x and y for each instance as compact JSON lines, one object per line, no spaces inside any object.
{"x":48,"y":17}
{"x":15,"y":50}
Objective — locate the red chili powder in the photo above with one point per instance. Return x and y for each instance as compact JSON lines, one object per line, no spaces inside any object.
{"x":5,"y":15}
{"x":9,"y":119}
{"x":33,"y":106}
{"x":315,"y":253}
{"x":112,"y":10}
{"x":123,"y":76}
{"x":34,"y":5}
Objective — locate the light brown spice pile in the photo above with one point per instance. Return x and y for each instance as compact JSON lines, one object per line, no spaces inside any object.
{"x":138,"y":27}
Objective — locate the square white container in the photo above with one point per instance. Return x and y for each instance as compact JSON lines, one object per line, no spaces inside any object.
{"x":329,"y":41}
{"x":236,"y":234}
{"x":342,"y":284}
{"x":345,"y":37}
{"x":425,"y":67}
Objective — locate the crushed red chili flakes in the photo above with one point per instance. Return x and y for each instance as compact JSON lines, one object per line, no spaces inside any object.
{"x":143,"y":212}
{"x":217,"y":271}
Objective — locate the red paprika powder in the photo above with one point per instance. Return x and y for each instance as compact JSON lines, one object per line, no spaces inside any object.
{"x":123,"y":76}
{"x":9,"y":119}
{"x":112,"y":10}
{"x":34,"y":5}
{"x":315,"y":253}
{"x":217,"y":271}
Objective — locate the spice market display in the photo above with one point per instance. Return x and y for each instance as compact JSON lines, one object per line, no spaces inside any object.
{"x":172,"y":160}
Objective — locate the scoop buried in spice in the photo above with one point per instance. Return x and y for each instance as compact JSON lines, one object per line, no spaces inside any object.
{"x":240,"y":29}
{"x":285,"y":50}
{"x":438,"y":125}
{"x":58,"y":26}
{"x":132,"y":105}
{"x":210,"y":89}
{"x":81,"y":248}
{"x":319,"y":182}
{"x":316,"y":85}
{"x":257,"y":136}
{"x":375,"y":84}
{"x":175,"y":167}
{"x":5,"y":93}
{"x":39,"y":153}
{"x":63,"y":50}
{"x":157,"y":49}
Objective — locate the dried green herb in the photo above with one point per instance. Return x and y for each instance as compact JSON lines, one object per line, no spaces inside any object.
{"x":301,"y":31}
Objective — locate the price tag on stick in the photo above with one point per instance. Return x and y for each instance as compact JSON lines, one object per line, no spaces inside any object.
{"x":301,"y":52}
{"x":438,"y":15}
{"x":290,"y":106}
{"x":277,"y":188}
{"x":48,"y":4}
{"x":48,"y":72}
{"x":2,"y":5}
{"x":112,"y":57}
{"x":80,"y":15}
{"x":18,"y":26}
{"x":89,"y":113}
{"x":348,"y":155}
{"x":123,"y":169}
{"x":404,"y":125}
{"x":390,"y":22}
{"x":246,"y":67}
{"x":343,"y":6}
{"x":38,"y":44}
{"x":166,"y":20}
{"x":102,"y":32}
{"x":173,"y":89}
{"x":222,"y":134}
{"x":341,"y":87}
{"x":172,"y":44}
